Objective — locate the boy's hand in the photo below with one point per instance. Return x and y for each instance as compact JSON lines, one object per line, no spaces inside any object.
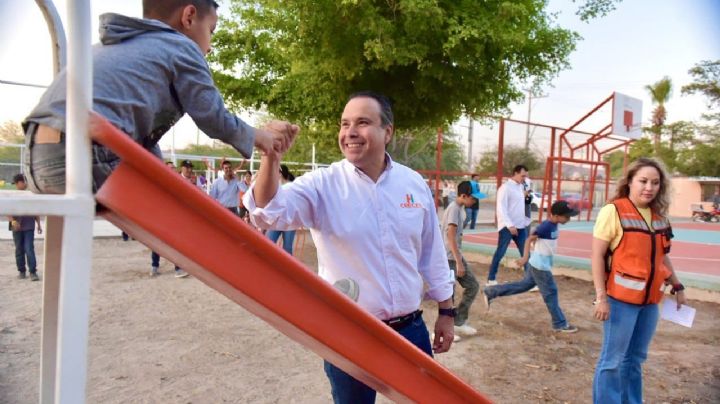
{"x":459,"y":269}
{"x":521,"y":262}
{"x":282,"y":134}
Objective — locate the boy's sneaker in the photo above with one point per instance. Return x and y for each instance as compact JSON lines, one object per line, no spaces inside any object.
{"x":534,"y":289}
{"x":154,"y":272}
{"x":568,"y":329}
{"x":22,"y":275}
{"x":179,"y":273}
{"x":465,"y":330}
{"x":349,"y":287}
{"x":491,"y":283}
{"x":34,"y":276}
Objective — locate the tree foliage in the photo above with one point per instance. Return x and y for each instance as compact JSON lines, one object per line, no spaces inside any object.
{"x":706,"y":76}
{"x":512,"y":156}
{"x":590,"y":9}
{"x":435,"y":59}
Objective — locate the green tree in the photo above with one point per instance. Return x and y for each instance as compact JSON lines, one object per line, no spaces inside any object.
{"x":436,"y":59}
{"x":512,"y":156}
{"x":660,"y":93}
{"x":11,"y":132}
{"x":706,"y":76}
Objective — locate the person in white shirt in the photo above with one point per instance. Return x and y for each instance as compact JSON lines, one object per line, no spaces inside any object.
{"x":372,"y":220}
{"x":511,"y":220}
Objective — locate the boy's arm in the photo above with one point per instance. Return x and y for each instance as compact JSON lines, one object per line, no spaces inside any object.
{"x":202,"y":101}
{"x":529,"y":243}
{"x":39,"y":224}
{"x":452,"y":237}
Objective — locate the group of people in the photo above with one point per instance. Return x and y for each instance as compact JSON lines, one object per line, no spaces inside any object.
{"x":372,"y":219}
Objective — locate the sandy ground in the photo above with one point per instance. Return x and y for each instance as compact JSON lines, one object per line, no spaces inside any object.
{"x":167,"y":340}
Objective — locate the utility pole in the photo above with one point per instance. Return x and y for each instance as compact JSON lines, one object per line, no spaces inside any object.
{"x":470,"y":144}
{"x":530,"y":97}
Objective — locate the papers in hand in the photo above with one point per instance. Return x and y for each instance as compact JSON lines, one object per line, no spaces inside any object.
{"x":684,"y":316}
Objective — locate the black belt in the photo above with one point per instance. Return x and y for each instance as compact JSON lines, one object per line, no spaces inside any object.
{"x":398,"y":323}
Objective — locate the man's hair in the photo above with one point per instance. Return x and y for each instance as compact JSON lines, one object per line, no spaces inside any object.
{"x":519,"y":168}
{"x":226,"y":162}
{"x":164,"y":9}
{"x":386,"y":113}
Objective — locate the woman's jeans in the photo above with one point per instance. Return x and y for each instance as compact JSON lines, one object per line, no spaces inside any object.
{"x":626,"y":337}
{"x":288,"y":238}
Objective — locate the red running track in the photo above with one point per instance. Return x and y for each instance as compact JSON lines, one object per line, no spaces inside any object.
{"x":688,"y":257}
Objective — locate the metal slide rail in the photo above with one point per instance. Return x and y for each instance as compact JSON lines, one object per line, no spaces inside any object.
{"x":68,"y":242}
{"x":239,"y":262}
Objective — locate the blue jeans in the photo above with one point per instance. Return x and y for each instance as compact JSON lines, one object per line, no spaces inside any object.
{"x":24,"y":247}
{"x":347,"y":389}
{"x":548,"y":289}
{"x":471,"y":288}
{"x":470,"y":217}
{"x":288,"y":238}
{"x":504,"y":238}
{"x":155,"y":258}
{"x":626,"y":338}
{"x":45,"y":164}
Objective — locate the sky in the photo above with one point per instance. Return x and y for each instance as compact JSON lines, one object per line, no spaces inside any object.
{"x":637,"y":44}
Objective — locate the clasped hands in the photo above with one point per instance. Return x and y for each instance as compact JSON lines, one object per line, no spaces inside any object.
{"x":276,"y":137}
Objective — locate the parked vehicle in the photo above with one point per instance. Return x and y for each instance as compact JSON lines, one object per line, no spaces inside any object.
{"x":701,"y":215}
{"x":576,"y":201}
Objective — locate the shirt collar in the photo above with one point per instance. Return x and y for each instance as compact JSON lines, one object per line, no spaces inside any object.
{"x":388,"y":165}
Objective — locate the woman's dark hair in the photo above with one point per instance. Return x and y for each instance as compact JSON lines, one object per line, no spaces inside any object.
{"x":286,"y":174}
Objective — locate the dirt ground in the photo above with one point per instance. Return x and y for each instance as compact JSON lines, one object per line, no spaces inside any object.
{"x":167,"y":340}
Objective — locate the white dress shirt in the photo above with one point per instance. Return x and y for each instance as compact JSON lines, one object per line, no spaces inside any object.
{"x":510,"y":206}
{"x":384,"y":235}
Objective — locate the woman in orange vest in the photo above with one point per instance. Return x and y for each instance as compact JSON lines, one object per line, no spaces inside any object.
{"x":630,"y":269}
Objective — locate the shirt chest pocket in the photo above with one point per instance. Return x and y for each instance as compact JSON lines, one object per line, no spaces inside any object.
{"x":407,"y":225}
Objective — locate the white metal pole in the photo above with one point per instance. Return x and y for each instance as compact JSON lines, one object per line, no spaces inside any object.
{"x":76,"y":260}
{"x":313,"y":158}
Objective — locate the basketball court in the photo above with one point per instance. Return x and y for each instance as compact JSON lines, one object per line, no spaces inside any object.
{"x":695,"y":251}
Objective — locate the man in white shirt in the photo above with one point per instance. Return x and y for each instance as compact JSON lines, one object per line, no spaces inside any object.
{"x":511,"y":220}
{"x":374,"y":221}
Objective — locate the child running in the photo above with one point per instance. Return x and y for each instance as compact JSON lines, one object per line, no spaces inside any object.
{"x":539,"y":272}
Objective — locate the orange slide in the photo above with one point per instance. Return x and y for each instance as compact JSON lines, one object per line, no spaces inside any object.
{"x":157,"y":207}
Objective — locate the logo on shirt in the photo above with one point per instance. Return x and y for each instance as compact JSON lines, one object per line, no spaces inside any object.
{"x":410,"y":202}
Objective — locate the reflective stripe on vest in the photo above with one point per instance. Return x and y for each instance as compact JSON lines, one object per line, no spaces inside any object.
{"x":637,"y":269}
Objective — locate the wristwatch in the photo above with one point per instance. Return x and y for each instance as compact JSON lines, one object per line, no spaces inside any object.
{"x":676,"y":288}
{"x":447,"y":312}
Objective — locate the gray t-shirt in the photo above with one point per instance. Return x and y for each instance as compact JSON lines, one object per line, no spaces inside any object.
{"x":454,"y":214}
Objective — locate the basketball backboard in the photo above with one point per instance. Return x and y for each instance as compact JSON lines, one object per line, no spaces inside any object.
{"x":627,"y":116}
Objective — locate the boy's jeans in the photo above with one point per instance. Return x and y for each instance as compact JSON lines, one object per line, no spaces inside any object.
{"x":24,"y":247}
{"x":471,"y":288}
{"x":626,"y":338}
{"x":548,"y":289}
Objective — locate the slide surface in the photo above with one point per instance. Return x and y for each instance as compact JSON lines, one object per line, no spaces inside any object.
{"x":177,"y":220}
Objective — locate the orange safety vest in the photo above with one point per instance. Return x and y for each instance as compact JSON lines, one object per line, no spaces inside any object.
{"x":637,"y":272}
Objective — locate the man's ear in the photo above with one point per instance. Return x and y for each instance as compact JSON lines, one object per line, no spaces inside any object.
{"x":188,"y":16}
{"x":389,"y":130}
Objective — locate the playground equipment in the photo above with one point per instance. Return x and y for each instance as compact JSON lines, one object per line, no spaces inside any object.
{"x":298,"y":304}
